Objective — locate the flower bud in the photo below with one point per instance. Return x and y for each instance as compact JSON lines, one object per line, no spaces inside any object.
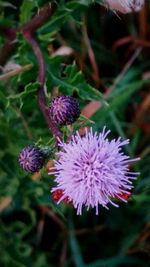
{"x":31,"y":158}
{"x":64,"y":110}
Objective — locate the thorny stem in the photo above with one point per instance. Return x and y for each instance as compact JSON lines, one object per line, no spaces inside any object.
{"x":41,"y":79}
{"x":28,"y":30}
{"x":40,"y":18}
{"x":36,"y":22}
{"x":38,"y":53}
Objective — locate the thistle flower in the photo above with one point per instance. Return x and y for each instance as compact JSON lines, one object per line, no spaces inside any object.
{"x":125,"y":6}
{"x":64,"y":110}
{"x":31,"y":158}
{"x":92,"y":170}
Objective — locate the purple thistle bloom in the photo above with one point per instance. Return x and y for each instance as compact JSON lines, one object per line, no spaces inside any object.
{"x":92,"y":170}
{"x":64,"y":110}
{"x":31,"y":159}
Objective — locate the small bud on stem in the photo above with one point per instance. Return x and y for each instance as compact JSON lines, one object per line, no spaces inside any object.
{"x":31,"y":158}
{"x":64,"y":110}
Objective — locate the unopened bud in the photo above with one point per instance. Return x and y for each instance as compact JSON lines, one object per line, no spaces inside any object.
{"x":31,"y":158}
{"x":64,"y":110}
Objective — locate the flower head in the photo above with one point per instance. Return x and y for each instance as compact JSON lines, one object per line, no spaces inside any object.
{"x":31,"y":158}
{"x":64,"y":110}
{"x":92,"y":171}
{"x":125,"y":6}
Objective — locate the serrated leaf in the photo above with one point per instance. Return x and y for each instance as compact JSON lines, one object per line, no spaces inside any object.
{"x":29,"y":88}
{"x":62,"y":14}
{"x":75,"y":82}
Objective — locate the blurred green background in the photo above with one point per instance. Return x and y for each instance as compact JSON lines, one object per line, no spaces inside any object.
{"x":104,"y":63}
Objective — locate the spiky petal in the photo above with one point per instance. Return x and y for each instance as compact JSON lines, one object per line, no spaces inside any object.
{"x":92,"y":170}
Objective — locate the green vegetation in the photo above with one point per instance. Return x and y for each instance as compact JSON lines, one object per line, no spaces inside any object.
{"x":107,"y":64}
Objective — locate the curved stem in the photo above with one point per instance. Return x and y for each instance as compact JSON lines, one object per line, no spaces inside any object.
{"x":41,"y":79}
{"x":40,"y":18}
{"x":28,"y":30}
{"x":39,"y":56}
{"x":31,"y":26}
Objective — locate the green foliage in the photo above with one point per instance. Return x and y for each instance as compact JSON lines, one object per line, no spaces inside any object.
{"x":26,"y":10}
{"x":74,"y":81}
{"x":34,"y":229}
